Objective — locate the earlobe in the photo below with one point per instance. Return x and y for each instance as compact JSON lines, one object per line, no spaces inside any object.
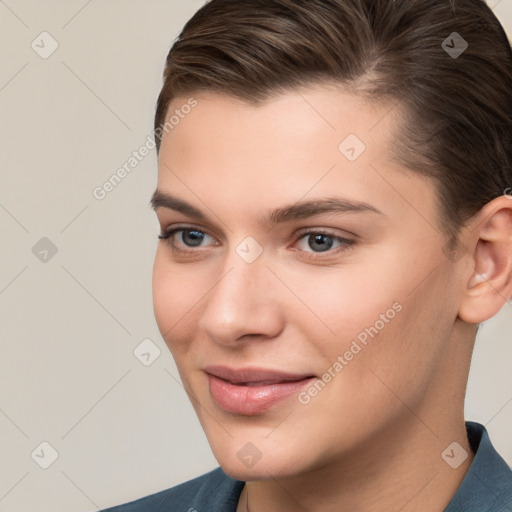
{"x":489,"y":285}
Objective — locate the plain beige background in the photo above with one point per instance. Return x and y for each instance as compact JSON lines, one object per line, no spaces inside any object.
{"x":70,"y":321}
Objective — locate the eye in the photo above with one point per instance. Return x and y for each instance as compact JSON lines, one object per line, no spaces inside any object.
{"x":186,"y":238}
{"x":322,"y":241}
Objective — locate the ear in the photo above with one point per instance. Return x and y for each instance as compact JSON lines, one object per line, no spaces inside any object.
{"x":489,"y":281}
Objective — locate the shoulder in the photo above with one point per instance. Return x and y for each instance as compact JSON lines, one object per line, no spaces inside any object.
{"x":213,"y":491}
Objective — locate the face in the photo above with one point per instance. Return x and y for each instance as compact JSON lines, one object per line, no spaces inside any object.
{"x":302,"y":288}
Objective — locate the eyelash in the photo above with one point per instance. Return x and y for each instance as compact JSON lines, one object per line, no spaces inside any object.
{"x":345,"y":242}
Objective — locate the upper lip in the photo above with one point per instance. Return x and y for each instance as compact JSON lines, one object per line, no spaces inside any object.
{"x":245,"y":375}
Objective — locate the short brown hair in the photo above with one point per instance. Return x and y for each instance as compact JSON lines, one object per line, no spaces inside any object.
{"x":458,"y":127}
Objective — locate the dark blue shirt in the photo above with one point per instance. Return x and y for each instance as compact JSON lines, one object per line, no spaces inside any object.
{"x":487,"y":487}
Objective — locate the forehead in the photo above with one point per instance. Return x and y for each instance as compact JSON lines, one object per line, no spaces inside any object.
{"x":330,"y":111}
{"x":278,"y":128}
{"x":313,"y":141}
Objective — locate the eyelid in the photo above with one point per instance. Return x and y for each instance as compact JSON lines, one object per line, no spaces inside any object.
{"x":297,"y":235}
{"x":188,"y":227}
{"x":185,"y":227}
{"x":345,"y":235}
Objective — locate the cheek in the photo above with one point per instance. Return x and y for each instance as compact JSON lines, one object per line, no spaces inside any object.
{"x":174,"y":295}
{"x":403,"y":358}
{"x":374,"y":321}
{"x":373,"y":298}
{"x":340,"y":304}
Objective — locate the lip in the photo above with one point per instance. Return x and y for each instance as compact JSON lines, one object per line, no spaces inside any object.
{"x":250,"y":391}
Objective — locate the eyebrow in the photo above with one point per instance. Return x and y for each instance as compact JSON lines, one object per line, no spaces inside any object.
{"x":296,"y":211}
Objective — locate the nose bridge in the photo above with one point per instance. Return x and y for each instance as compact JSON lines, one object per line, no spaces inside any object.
{"x":238,"y":288}
{"x":241,"y":300}
{"x":244,"y":269}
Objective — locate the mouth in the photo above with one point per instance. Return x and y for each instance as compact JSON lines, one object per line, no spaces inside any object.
{"x":252,"y":391}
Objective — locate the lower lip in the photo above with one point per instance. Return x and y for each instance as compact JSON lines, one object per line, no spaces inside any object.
{"x":250,"y":400}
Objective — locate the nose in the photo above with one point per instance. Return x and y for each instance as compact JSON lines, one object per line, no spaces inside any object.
{"x":242,"y":305}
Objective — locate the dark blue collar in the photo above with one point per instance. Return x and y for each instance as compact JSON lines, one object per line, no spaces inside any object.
{"x":487,"y":486}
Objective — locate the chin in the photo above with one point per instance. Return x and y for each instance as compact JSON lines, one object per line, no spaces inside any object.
{"x":258,"y":460}
{"x":260,"y":471}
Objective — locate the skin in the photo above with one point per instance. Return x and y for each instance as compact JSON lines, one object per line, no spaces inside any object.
{"x":372,"y":438}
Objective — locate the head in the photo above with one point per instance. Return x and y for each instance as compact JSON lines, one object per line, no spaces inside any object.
{"x":332,"y":180}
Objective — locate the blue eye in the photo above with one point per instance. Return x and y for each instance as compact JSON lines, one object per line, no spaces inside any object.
{"x":192,"y":238}
{"x":320,"y":242}
{"x":189,"y":237}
